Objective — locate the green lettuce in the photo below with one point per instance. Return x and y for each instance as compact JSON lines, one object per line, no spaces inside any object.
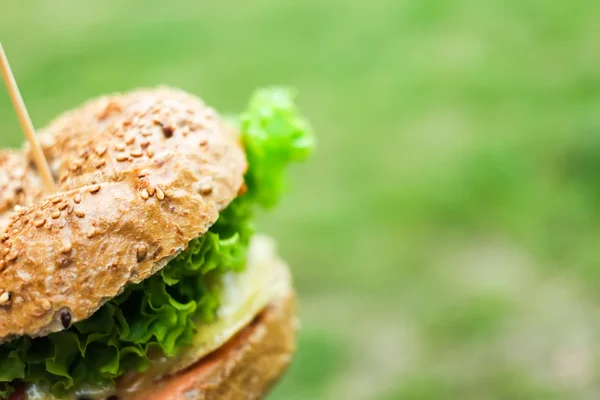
{"x":274,"y":134}
{"x":161,"y":314}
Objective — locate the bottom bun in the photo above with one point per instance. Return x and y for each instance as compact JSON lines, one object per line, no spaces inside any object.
{"x":246,"y":367}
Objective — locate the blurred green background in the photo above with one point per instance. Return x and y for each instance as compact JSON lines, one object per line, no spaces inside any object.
{"x":444,"y":237}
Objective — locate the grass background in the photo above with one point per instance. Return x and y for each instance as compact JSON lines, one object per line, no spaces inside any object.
{"x":444,"y":237}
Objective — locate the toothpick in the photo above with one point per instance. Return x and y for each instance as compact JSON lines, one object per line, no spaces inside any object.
{"x":26,"y":125}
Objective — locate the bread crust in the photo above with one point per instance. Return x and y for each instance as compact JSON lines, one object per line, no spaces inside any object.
{"x":140,"y":175}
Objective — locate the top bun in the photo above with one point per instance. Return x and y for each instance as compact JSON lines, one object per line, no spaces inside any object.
{"x":139,"y":176}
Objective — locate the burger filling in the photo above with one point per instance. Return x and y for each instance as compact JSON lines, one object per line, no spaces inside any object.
{"x":161,"y":317}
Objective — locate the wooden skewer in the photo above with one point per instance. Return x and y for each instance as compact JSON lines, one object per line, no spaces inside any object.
{"x":25,"y":120}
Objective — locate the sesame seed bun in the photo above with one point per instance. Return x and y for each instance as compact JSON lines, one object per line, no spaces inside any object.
{"x":139,"y":175}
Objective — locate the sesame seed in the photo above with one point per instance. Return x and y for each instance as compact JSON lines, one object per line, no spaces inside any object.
{"x":63,"y":176}
{"x":46,"y":305}
{"x":62,"y":206}
{"x":101,"y":149}
{"x":145,"y":194}
{"x":159,"y":193}
{"x":136,"y":153}
{"x":67,"y":247}
{"x":95,"y":189}
{"x":150,"y":152}
{"x":75,"y":166}
{"x":77,"y":198}
{"x":39,"y":222}
{"x":141,"y":252}
{"x":157,"y":252}
{"x":151,"y":190}
{"x":100,"y":164}
{"x":79,"y":213}
{"x":4,"y":251}
{"x":146,"y":133}
{"x":4,"y":298}
{"x":167,"y":131}
{"x":203,"y":142}
{"x":55,"y":200}
{"x":70,"y":209}
{"x":127,"y":122}
{"x":91,"y":233}
{"x":12,"y":256}
{"x":206,"y":188}
{"x":2,"y":265}
{"x":4,"y":237}
{"x":145,"y":144}
{"x":119,"y":146}
{"x":55,"y":214}
{"x":122,"y":157}
{"x":130,"y":140}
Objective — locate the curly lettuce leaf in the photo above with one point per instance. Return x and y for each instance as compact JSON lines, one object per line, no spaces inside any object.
{"x":274,"y":134}
{"x":162,"y":314}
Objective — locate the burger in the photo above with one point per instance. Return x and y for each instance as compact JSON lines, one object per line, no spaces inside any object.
{"x":142,"y":276}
